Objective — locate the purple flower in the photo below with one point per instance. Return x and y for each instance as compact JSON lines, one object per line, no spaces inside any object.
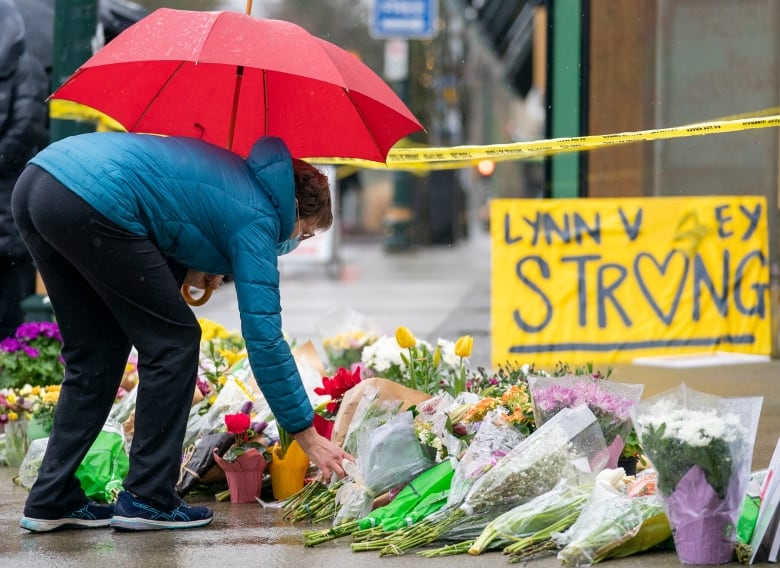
{"x":31,"y":330}
{"x":32,"y":352}
{"x":246,"y":408}
{"x":11,"y":344}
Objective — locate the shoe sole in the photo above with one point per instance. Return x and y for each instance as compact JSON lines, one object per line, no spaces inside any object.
{"x":139,"y":524}
{"x":48,"y":525}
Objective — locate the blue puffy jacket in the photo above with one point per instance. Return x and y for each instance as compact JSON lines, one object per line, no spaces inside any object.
{"x":209,"y":210}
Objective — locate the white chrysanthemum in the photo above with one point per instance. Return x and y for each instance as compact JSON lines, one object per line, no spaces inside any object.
{"x":694,"y":427}
{"x":383,"y":354}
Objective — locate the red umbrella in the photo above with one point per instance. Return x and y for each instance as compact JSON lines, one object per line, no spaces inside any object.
{"x":229,"y":78}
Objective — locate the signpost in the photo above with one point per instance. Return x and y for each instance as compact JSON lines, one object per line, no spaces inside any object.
{"x":398,"y":21}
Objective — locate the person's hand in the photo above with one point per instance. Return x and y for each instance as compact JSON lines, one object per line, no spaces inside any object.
{"x":203,"y":280}
{"x":325,"y":454}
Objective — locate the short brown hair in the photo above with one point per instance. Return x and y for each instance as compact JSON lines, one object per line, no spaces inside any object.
{"x":313,"y":194}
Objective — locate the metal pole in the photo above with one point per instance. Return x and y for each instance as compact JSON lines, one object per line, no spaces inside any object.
{"x":399,"y":219}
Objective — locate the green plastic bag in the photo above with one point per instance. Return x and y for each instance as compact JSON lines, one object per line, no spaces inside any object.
{"x":432,"y":484}
{"x":105,"y":466}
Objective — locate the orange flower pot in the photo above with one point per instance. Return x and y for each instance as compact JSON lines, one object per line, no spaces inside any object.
{"x":288,"y":473}
{"x":244,"y":475}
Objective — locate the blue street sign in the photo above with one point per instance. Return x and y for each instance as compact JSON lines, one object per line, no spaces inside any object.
{"x":411,"y":19}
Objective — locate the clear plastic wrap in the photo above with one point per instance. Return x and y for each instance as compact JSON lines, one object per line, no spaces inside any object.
{"x":388,"y":455}
{"x":495,"y":439}
{"x":610,"y":521}
{"x":344,"y":333}
{"x":568,"y":446}
{"x":233,"y":395}
{"x":551,"y":510}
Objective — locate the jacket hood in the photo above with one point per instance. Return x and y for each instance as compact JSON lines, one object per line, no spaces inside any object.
{"x":271,"y":163}
{"x":11,"y":37}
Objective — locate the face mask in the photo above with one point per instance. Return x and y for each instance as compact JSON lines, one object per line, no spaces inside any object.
{"x":288,"y":246}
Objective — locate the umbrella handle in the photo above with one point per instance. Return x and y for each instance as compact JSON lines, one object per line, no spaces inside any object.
{"x":185,"y":292}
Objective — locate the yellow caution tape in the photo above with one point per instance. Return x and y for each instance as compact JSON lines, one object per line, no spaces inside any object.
{"x":455,"y":157}
{"x":466,"y":156}
{"x":67,"y":110}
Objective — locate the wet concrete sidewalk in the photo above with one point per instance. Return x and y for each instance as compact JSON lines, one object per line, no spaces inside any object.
{"x":436,"y":292}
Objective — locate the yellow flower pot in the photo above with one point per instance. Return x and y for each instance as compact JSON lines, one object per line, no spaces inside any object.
{"x":288,"y":473}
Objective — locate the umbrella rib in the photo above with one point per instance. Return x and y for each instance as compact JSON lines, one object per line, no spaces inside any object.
{"x":265,"y":103}
{"x":365,"y":124}
{"x":156,"y":96}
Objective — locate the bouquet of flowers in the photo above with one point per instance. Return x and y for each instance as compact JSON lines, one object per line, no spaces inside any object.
{"x":345,"y":332}
{"x":387,"y":456}
{"x":612,"y":524}
{"x":32,"y":356}
{"x":608,"y":400}
{"x":344,"y":349}
{"x":529,"y":526}
{"x":701,"y":446}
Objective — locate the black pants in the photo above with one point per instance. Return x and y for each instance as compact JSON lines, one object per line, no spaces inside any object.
{"x":109,"y":289}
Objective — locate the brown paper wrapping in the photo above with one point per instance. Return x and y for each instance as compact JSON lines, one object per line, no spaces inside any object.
{"x":308,"y":352}
{"x":387,"y":390}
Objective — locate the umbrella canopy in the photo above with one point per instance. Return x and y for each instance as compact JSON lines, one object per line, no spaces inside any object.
{"x":229,"y":78}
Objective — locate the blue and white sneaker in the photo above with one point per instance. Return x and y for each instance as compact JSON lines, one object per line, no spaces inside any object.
{"x":90,"y":516}
{"x":134,"y":514}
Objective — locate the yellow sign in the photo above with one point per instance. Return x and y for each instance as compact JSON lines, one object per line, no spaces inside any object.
{"x":609,"y":280}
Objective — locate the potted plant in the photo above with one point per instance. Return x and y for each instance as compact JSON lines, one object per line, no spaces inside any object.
{"x":32,"y":356}
{"x":245,"y":461}
{"x":632,"y":454}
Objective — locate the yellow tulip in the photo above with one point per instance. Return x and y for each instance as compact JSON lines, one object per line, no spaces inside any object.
{"x":464,"y":345}
{"x":405,"y":338}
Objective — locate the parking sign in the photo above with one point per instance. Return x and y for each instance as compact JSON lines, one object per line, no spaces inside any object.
{"x":410,"y":19}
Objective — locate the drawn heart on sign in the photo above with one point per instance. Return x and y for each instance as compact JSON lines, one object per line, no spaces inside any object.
{"x":666,"y":269}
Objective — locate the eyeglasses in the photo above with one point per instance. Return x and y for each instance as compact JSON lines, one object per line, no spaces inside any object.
{"x":304,"y":234}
